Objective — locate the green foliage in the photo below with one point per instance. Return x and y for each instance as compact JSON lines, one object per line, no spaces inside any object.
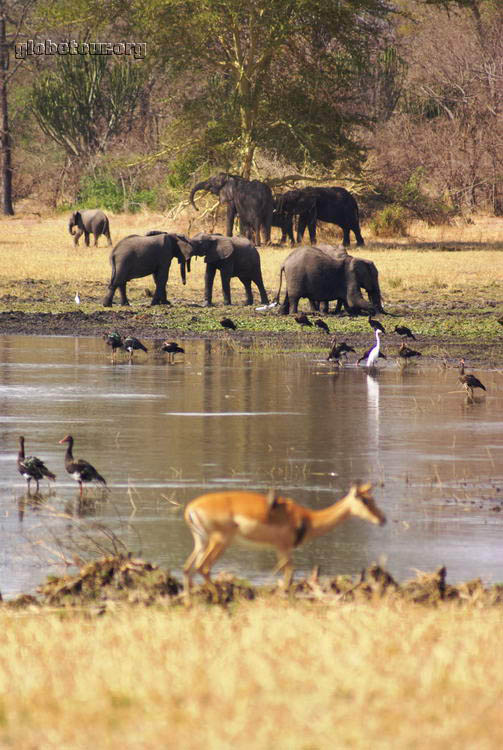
{"x":390,"y":222}
{"x":105,"y":192}
{"x":85,"y":101}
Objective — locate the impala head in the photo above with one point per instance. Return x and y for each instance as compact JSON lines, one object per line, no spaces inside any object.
{"x":66,"y":439}
{"x":362,"y":504}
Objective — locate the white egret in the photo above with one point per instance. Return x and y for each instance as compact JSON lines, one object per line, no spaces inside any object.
{"x":374,"y":353}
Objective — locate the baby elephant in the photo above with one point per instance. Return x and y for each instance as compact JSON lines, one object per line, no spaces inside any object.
{"x":92,"y":221}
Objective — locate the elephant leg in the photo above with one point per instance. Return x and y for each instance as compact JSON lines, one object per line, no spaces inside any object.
{"x":261,"y":288}
{"x":209,"y":277}
{"x":301,"y":228}
{"x":314,"y":305}
{"x":108,"y":236}
{"x":226,"y":287}
{"x":107,"y":300}
{"x":96,"y":237}
{"x":338,"y":307}
{"x":249,"y":294}
{"x":231,"y":213}
{"x":345,"y":238}
{"x":324,"y":306}
{"x":86,"y":238}
{"x":257,"y":234}
{"x":285,"y":307}
{"x":359,"y":239}
{"x":161,"y":279}
{"x":122,"y":292}
{"x":312,"y":232}
{"x":76,"y":237}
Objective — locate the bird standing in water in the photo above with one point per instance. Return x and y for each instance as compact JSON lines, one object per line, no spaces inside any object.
{"x":407,"y":354}
{"x":374,"y":353}
{"x":131,"y":344}
{"x":114,"y":340}
{"x":31,"y":467}
{"x":468,"y":380}
{"x":172,"y":348}
{"x":228,"y":323}
{"x":81,"y":470}
{"x":339,"y":350}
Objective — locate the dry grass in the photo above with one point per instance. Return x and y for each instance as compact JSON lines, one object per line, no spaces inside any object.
{"x":41,"y":248}
{"x":268,"y":675}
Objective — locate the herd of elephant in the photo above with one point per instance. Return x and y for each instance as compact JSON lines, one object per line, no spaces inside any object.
{"x":320,"y":273}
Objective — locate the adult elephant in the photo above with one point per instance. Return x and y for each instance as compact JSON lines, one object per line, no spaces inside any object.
{"x":89,"y":222}
{"x":291,"y":204}
{"x":335,"y":205}
{"x":329,"y":274}
{"x":251,"y":200}
{"x":136,"y":256}
{"x":232,"y":256}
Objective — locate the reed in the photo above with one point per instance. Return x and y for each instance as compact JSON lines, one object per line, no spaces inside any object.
{"x":271,"y":674}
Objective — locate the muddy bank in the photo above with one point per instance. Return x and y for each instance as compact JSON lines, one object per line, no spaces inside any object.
{"x":102,"y":584}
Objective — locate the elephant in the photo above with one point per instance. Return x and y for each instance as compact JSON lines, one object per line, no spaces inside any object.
{"x":251,"y":200}
{"x":232,"y":256}
{"x":289,"y":204}
{"x":335,"y":205}
{"x":89,"y":222}
{"x":136,"y":256}
{"x":328,"y":274}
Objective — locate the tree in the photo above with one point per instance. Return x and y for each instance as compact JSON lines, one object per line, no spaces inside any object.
{"x":85,"y":101}
{"x":267,"y":71}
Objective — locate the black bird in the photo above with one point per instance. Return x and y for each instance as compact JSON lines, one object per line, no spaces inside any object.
{"x":302,"y":320}
{"x":228,"y":323}
{"x":468,"y":380}
{"x":114,"y":340}
{"x":131,"y":344}
{"x":338,"y":350}
{"x":172,"y":348}
{"x":376,"y":325}
{"x":404,"y":331}
{"x":31,"y":467}
{"x":321,"y":324}
{"x":80,"y":470}
{"x":405,"y":353}
{"x":366,"y":354}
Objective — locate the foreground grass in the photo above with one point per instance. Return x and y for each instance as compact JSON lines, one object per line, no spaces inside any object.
{"x":267,"y":675}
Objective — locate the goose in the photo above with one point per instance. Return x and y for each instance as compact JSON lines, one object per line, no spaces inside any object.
{"x":376,"y":325}
{"x":405,"y":332}
{"x":31,"y":467}
{"x":338,"y":350}
{"x":468,"y":380}
{"x":131,"y":344}
{"x":228,"y":323}
{"x":407,"y":353}
{"x":81,"y":470}
{"x":321,"y":324}
{"x":302,"y":319}
{"x":172,"y":348}
{"x":114,"y":340}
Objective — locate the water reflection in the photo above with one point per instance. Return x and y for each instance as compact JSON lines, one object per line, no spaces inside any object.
{"x":163,"y":434}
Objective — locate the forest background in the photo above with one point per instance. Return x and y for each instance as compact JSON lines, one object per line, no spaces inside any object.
{"x":400,"y":102}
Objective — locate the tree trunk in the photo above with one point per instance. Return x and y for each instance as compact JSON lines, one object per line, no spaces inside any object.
{"x":5,"y":140}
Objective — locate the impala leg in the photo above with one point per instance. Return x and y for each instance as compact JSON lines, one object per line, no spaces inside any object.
{"x":207,"y":559}
{"x":285,"y":564}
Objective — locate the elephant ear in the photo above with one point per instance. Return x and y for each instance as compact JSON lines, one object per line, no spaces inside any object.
{"x":219,"y":250}
{"x":185,"y":247}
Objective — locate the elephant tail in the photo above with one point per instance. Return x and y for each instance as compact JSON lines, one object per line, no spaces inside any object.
{"x":112,"y":279}
{"x":282,"y":271}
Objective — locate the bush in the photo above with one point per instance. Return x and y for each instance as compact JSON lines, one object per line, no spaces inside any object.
{"x":106,"y":193}
{"x":390,"y":222}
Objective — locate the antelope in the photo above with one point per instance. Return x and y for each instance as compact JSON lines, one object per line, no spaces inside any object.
{"x":216,"y":518}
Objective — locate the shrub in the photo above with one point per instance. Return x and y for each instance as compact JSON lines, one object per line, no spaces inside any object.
{"x":390,"y":222}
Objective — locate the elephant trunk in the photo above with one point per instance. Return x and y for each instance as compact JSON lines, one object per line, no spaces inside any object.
{"x":71,"y":225}
{"x":200,"y":186}
{"x":182,"y":270}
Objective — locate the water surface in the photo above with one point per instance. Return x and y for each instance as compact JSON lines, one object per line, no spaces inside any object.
{"x":161,"y":434}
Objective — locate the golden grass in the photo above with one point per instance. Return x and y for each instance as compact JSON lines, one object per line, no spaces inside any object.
{"x":42,"y":249}
{"x":270,"y":675}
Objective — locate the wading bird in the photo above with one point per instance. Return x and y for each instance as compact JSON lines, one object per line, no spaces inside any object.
{"x":374,"y":353}
{"x":79,"y":469}
{"x":405,"y":332}
{"x":172,"y":348}
{"x":321,"y":324}
{"x":31,"y":467}
{"x":131,"y":344}
{"x":339,"y":350}
{"x":217,"y":518}
{"x":228,"y":323}
{"x":407,"y":354}
{"x":302,"y":319}
{"x":114,"y":340}
{"x":468,"y":380}
{"x":376,"y":325}
{"x":77,"y":298}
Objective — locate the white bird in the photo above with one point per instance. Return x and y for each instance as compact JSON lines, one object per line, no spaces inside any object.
{"x":374,"y":353}
{"x":77,"y":298}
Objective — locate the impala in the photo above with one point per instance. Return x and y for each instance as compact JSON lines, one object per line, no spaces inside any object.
{"x":216,"y":518}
